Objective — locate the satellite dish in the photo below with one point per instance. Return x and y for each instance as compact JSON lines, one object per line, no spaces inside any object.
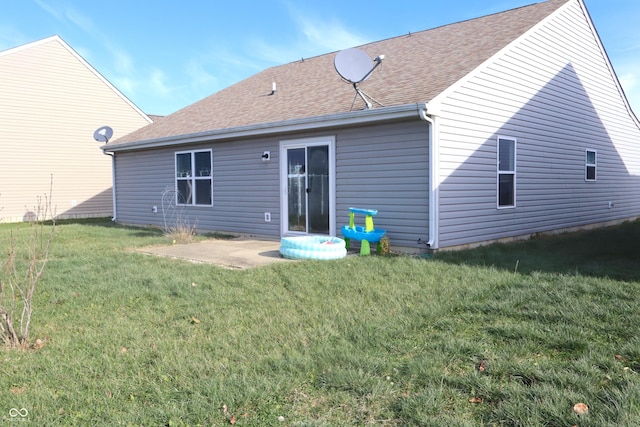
{"x":355,"y":66}
{"x":103,"y":134}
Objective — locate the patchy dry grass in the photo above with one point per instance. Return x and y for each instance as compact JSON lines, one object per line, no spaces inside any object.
{"x":457,"y":340}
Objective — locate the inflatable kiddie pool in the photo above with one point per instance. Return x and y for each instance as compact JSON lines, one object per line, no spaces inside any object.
{"x":313,"y":247}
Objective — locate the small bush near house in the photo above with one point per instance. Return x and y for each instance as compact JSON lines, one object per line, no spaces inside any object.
{"x":25,"y":258}
{"x":175,"y":218}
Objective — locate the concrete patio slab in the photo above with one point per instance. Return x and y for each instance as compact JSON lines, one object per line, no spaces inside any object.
{"x":236,"y":253}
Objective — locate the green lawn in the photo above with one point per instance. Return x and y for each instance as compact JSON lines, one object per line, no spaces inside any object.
{"x":508,"y":335}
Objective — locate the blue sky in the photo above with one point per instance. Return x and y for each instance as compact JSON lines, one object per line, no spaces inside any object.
{"x":167,"y":54}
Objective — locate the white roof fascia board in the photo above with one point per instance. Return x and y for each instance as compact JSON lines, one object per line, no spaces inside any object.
{"x":28,"y":45}
{"x":608,"y":61}
{"x":305,"y":124}
{"x":435,"y":103}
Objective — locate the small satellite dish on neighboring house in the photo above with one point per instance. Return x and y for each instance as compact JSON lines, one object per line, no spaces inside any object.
{"x":103,"y":134}
{"x":355,"y":66}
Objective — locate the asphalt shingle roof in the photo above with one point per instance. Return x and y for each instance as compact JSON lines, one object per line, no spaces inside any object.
{"x":417,"y":67}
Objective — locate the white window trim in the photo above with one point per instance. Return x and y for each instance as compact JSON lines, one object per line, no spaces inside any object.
{"x":587,"y":165}
{"x":193,"y":178}
{"x":514,"y":172}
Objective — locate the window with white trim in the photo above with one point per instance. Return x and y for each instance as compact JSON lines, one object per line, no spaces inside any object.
{"x":590,"y":165}
{"x":194,"y":178}
{"x":506,"y":172}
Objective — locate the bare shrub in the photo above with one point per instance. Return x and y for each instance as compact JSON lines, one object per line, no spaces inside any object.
{"x":176,"y":221}
{"x":22,"y":270}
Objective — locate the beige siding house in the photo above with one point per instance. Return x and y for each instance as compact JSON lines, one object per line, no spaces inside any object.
{"x":493,"y":128}
{"x":52,"y":102}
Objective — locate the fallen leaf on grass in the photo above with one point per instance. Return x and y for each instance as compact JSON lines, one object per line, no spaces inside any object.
{"x":475,"y":400}
{"x":225,"y":409}
{"x":233,"y":419}
{"x":619,"y":357}
{"x":18,"y":390}
{"x":580,"y":408}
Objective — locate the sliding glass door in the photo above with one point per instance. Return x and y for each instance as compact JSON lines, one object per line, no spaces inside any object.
{"x":306,"y":169}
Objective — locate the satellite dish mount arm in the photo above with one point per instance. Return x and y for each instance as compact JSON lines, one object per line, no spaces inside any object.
{"x":378,"y":61}
{"x":360,"y":92}
{"x":361,"y":95}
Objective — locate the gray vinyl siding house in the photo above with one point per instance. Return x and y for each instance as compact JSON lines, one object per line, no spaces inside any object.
{"x":241,"y":199}
{"x":556,"y":93}
{"x":493,"y":128}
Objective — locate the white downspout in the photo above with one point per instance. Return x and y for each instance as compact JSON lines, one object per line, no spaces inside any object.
{"x":434,"y":174}
{"x":113,"y":183}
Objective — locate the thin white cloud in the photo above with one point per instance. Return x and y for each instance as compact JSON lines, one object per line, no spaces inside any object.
{"x":627,"y":66}
{"x":83,"y":22}
{"x":329,"y":36}
{"x":50,"y":10}
{"x":630,"y":82}
{"x":314,"y":36}
{"x":125,"y":85}
{"x":158,"y":83}
{"x":210,"y":71}
{"x":223,"y":58}
{"x":122,"y":61}
{"x":66,"y":15}
{"x":10,"y":37}
{"x":200,"y":77}
{"x":273,"y":54}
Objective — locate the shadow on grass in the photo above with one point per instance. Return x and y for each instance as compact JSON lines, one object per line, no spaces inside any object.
{"x":138,"y":231}
{"x":611,"y":252}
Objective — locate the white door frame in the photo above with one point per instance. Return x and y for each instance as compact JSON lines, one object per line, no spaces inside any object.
{"x":329,"y":141}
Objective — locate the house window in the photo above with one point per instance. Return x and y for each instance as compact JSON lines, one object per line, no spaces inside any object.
{"x":590,"y":165}
{"x":194,"y":183}
{"x":506,"y":173}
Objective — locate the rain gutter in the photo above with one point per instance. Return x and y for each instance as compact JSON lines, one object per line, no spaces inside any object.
{"x":406,"y":111}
